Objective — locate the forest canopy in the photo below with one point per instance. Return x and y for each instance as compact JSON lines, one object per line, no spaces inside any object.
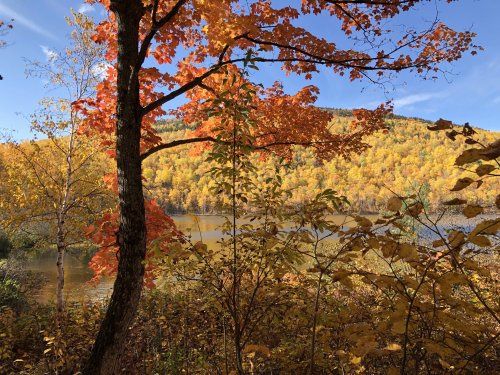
{"x":406,"y":158}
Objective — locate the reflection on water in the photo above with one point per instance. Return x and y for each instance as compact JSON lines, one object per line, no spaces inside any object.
{"x":206,"y":228}
{"x":77,"y":273}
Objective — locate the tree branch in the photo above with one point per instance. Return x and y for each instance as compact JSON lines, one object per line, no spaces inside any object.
{"x":178,"y":142}
{"x":156,"y":25}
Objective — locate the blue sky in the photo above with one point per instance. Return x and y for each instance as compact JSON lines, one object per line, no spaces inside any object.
{"x":470,"y":94}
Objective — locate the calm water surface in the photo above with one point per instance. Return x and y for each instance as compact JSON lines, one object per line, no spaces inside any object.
{"x":77,"y":273}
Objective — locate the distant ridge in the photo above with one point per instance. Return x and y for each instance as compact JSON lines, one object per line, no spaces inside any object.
{"x":170,"y":124}
{"x":406,"y":159}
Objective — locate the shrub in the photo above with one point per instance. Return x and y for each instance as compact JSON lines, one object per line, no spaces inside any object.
{"x":5,"y":246}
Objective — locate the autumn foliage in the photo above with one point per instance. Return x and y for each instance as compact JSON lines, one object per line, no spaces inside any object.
{"x":179,"y":180}
{"x":158,"y":51}
{"x":315,"y":293}
{"x":211,"y":34}
{"x":161,"y":232}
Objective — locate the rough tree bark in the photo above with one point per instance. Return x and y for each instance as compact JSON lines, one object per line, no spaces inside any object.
{"x":132,"y":232}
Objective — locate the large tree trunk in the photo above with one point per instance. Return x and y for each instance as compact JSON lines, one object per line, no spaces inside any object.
{"x":110,"y":341}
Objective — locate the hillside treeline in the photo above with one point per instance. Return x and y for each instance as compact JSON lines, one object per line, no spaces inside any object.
{"x":408,"y":159}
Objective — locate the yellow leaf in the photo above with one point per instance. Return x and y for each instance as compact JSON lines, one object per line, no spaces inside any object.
{"x":355,"y":360}
{"x":472,"y":211}
{"x":486,"y":227}
{"x":484,"y":169}
{"x":462,"y":183}
{"x":255,"y":348}
{"x":394,"y":204}
{"x":399,"y":327}
{"x":393,"y":347}
{"x":481,"y":241}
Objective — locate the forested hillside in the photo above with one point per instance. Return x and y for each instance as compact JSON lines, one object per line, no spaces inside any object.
{"x":407,"y":159}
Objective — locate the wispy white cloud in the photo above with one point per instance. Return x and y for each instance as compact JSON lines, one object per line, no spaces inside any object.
{"x":409,"y":100}
{"x":496,"y":100}
{"x":21,"y":20}
{"x":101,"y":69}
{"x":49,"y":54}
{"x":85,"y":8}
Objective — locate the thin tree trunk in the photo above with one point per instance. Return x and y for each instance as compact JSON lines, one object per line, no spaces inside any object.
{"x":110,"y":342}
{"x":225,"y":344}
{"x":61,"y":249}
{"x":61,"y":217}
{"x":315,"y":322}
{"x":236,"y":279}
